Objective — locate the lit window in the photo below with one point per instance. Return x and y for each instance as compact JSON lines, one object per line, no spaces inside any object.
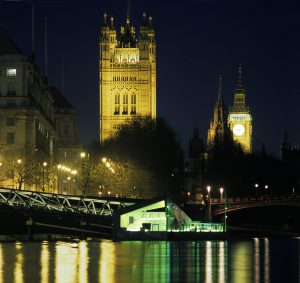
{"x":11,"y":72}
{"x":10,"y":138}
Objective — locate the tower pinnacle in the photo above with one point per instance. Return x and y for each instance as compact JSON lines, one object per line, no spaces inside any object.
{"x":128,"y":12}
{"x":220,"y":87}
{"x":105,"y":19}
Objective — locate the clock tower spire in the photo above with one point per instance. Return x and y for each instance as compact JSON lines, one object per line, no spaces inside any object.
{"x":240,"y":118}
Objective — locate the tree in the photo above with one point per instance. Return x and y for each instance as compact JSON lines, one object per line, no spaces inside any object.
{"x":149,"y":156}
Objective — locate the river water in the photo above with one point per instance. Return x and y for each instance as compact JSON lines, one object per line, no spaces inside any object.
{"x":256,"y":260}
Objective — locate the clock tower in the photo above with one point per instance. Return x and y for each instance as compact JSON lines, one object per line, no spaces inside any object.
{"x":240,"y":118}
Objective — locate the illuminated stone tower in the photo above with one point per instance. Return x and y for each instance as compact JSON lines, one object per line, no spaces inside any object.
{"x":127,"y":74}
{"x":240,"y":119}
{"x":218,"y":128}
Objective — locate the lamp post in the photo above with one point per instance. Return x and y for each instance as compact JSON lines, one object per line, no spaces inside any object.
{"x":225,"y":208}
{"x":209,"y":203}
{"x":256,"y":188}
{"x":44,"y":165}
{"x":266,"y":190}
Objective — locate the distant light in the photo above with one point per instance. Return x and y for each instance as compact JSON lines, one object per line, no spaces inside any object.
{"x":256,"y":185}
{"x":103,"y":159}
{"x":188,"y":193}
{"x":266,"y":186}
{"x":45,"y":164}
{"x":82,"y":154}
{"x":19,"y":161}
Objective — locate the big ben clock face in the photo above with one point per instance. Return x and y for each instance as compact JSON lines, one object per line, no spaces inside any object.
{"x":238,"y":130}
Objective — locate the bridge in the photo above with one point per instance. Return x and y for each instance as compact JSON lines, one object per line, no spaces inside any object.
{"x":233,"y":204}
{"x":102,"y":206}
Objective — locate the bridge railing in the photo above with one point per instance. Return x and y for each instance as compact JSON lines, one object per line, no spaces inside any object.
{"x":254,"y":199}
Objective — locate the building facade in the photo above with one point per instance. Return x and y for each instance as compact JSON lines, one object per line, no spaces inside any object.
{"x":36,"y":123}
{"x":26,"y":116}
{"x":127,"y":74}
{"x":240,"y":118}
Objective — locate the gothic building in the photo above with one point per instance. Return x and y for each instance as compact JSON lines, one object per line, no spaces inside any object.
{"x":127,"y":74}
{"x":218,"y":129}
{"x":240,"y":118}
{"x":237,"y":124}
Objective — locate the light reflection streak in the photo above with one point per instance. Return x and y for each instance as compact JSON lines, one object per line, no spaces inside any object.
{"x":45,"y":263}
{"x":66,"y":263}
{"x":107,"y":262}
{"x":208,"y":261}
{"x":1,"y":264}
{"x":256,"y":261}
{"x":267,"y":261}
{"x":83,"y":262}
{"x":221,"y":273}
{"x":18,"y":271}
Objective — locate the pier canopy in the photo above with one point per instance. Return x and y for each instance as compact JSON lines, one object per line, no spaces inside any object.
{"x":156,"y":215}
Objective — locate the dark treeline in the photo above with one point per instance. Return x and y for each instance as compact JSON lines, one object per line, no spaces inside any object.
{"x":229,"y":167}
{"x":146,"y":160}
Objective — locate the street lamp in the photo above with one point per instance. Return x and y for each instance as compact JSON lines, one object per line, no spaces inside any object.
{"x":225,"y":208}
{"x":221,"y":192}
{"x":209,"y":203}
{"x":256,"y":189}
{"x":44,"y":165}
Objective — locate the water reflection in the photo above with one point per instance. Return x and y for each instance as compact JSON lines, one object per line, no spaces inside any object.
{"x":106,"y":261}
{"x":256,"y":261}
{"x":66,"y":262}
{"x":267,"y":261}
{"x":18,"y":270}
{"x":44,"y":263}
{"x":1,"y":265}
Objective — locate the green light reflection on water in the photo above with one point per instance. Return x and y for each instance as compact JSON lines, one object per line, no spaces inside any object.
{"x":157,"y":261}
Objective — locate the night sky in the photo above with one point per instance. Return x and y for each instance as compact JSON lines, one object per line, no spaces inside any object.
{"x":196,"y":41}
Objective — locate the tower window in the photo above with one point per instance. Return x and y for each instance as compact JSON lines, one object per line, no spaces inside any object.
{"x":133,"y":99}
{"x":125,"y":109}
{"x":125,"y":99}
{"x":117,"y":99}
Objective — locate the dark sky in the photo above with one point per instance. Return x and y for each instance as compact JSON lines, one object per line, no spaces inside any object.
{"x":197,"y":40}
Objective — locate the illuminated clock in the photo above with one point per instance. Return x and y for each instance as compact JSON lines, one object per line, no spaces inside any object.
{"x":238,"y":130}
